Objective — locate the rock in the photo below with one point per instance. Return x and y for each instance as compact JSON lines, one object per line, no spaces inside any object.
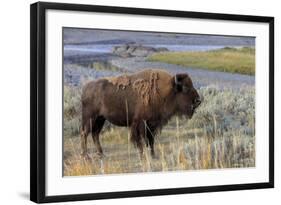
{"x":162,"y":49}
{"x":135,"y":50}
{"x":143,"y":51}
{"x":120,"y":49}
{"x":125,"y":55}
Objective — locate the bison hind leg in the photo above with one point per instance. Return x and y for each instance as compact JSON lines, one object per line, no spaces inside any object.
{"x":83,"y":136}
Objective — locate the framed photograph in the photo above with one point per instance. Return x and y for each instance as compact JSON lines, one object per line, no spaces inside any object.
{"x":129,"y":102}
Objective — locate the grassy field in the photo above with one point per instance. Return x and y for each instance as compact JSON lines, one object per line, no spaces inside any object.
{"x":235,"y":60}
{"x":221,"y":134}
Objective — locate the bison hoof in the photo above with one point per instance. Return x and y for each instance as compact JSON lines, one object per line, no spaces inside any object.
{"x":86,"y":157}
{"x":100,"y":155}
{"x":154,"y":156}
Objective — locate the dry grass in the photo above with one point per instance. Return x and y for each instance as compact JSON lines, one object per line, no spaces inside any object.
{"x":190,"y":154}
{"x":220,"y":135}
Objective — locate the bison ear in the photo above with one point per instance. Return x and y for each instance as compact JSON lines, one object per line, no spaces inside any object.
{"x":177,"y":81}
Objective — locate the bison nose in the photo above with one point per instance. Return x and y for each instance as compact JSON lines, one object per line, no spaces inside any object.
{"x":197,"y":101}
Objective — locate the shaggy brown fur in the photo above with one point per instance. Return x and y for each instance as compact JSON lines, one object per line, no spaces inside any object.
{"x":120,"y":81}
{"x":143,"y":101}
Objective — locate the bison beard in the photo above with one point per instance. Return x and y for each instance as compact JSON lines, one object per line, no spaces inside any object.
{"x":143,"y":101}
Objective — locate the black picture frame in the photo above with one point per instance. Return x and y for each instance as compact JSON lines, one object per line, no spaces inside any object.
{"x":38,"y":100}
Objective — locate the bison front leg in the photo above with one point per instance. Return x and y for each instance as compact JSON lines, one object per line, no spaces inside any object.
{"x":149,"y":137}
{"x":151,"y":144}
{"x":136,"y":136}
{"x":96,"y":126}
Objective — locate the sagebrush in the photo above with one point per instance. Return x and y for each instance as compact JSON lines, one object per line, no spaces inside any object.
{"x":221,"y":134}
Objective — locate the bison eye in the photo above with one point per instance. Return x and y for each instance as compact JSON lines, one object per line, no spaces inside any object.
{"x":185,"y":89}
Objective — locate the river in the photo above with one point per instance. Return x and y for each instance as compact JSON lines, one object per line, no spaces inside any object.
{"x":96,"y":60}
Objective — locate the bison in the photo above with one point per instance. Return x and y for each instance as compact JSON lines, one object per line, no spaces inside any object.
{"x":143,"y":101}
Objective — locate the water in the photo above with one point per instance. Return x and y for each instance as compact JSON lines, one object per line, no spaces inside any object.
{"x":90,"y":48}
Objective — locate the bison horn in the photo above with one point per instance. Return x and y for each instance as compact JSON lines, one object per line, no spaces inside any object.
{"x":176,"y":80}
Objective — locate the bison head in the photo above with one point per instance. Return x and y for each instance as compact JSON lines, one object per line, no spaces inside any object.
{"x":187,"y":99}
